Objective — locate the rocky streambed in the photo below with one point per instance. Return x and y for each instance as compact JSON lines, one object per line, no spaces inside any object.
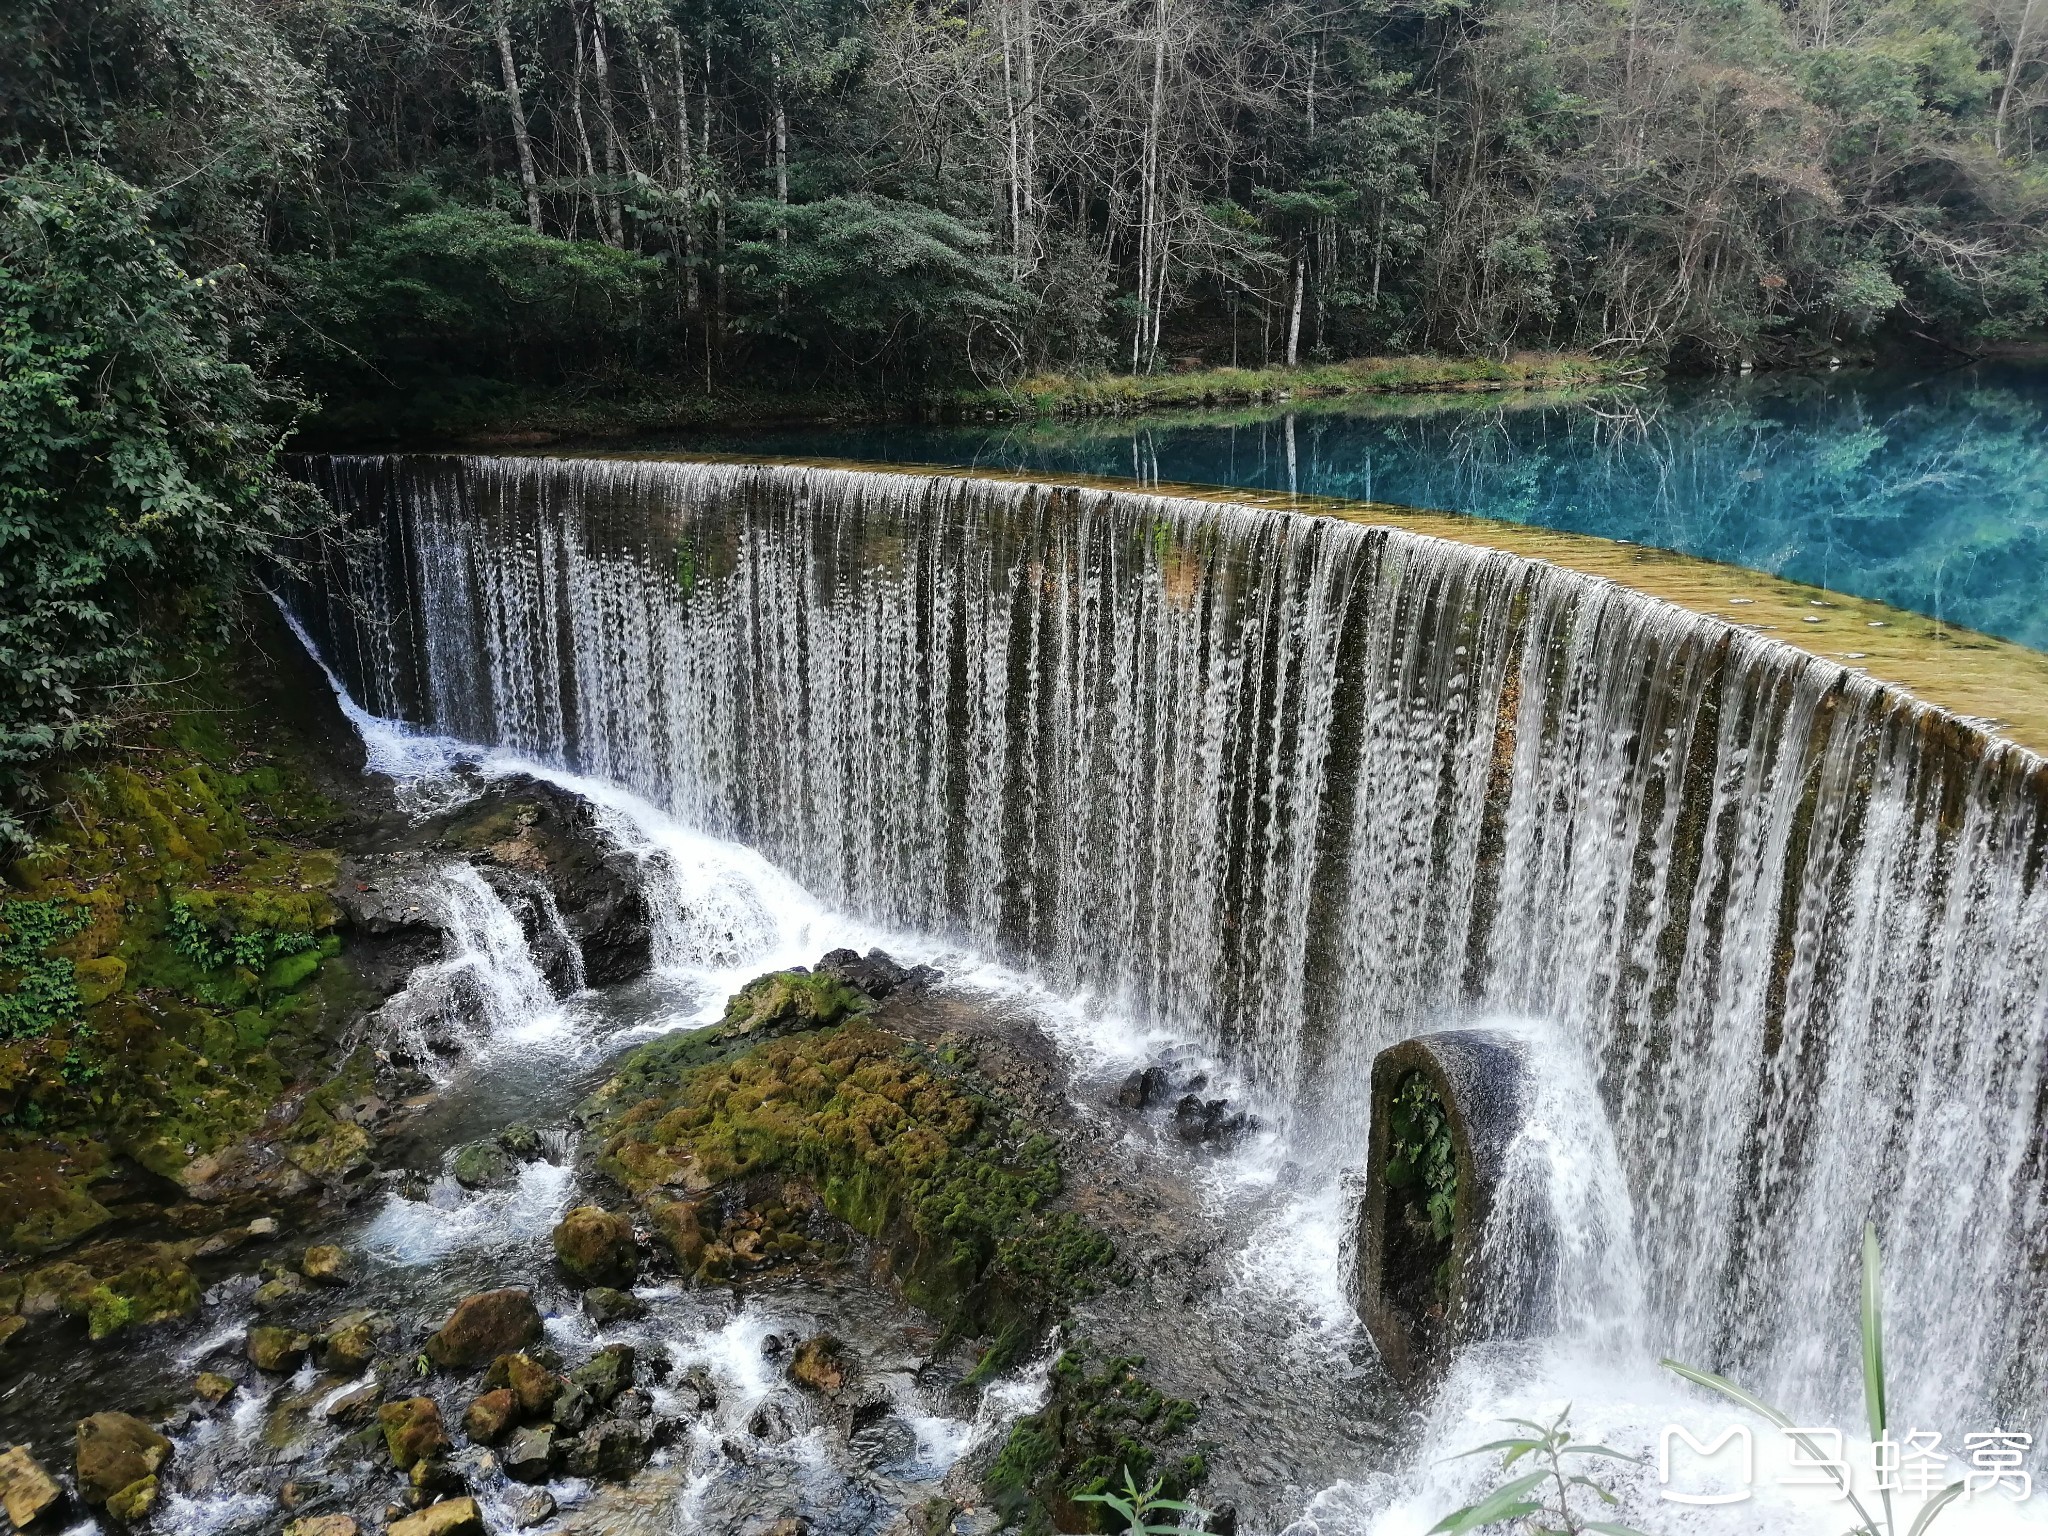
{"x":624,"y":1197}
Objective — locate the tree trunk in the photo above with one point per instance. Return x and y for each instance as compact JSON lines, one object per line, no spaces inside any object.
{"x":1294,"y":318}
{"x":583,"y":133}
{"x":686,"y":173}
{"x":614,"y":152}
{"x":1151,"y":262}
{"x":1013,"y":132}
{"x":529,"y":182}
{"x":2012,"y":76}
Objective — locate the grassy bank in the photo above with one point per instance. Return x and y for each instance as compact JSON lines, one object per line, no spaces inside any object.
{"x":645,"y":405}
{"x":1114,"y":394}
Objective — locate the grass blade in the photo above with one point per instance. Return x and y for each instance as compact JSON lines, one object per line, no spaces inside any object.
{"x":1873,"y":1334}
{"x":1933,"y":1507}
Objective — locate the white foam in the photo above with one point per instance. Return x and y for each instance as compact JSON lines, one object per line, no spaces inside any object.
{"x":406,"y":1233}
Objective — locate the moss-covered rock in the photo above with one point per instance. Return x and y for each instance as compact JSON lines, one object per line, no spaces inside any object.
{"x":412,"y":1431}
{"x":790,"y":1000}
{"x":490,"y":1414}
{"x":891,"y":1141}
{"x":116,"y":1451}
{"x":483,"y":1326}
{"x":597,"y":1247}
{"x":535,"y":1386}
{"x":275,"y":1349}
{"x":1097,"y":1424}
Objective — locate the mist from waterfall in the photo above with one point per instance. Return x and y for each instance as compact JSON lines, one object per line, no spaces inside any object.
{"x":1297,"y":788}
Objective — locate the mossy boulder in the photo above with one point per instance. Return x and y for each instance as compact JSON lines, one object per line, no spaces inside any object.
{"x":154,"y":1290}
{"x":820,"y":1364}
{"x":888,"y":1139}
{"x":327,"y":1264}
{"x":490,"y":1415}
{"x":353,"y":1340}
{"x":783,"y":1001}
{"x":1100,"y":1418}
{"x":597,"y":1247}
{"x":211,"y":1387}
{"x":450,"y":1517}
{"x":532,"y":1383}
{"x":413,"y":1431}
{"x":133,"y":1503}
{"x":605,"y":1374}
{"x":116,"y":1451}
{"x":483,"y":1326}
{"x":486,"y":1164}
{"x":275,"y":1349}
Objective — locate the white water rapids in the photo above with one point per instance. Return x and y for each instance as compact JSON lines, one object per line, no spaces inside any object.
{"x":1297,"y":789}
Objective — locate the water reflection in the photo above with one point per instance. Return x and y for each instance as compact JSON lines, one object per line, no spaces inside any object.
{"x":1927,"y":493}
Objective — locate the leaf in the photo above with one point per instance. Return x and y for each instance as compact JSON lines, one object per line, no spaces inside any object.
{"x":1933,"y":1507}
{"x":1504,"y":1503}
{"x":1608,"y":1528}
{"x":1873,"y":1334}
{"x":1599,"y":1450}
{"x":1516,"y":1448}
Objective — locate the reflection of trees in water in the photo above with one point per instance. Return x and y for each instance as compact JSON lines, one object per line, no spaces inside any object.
{"x":1933,"y":498}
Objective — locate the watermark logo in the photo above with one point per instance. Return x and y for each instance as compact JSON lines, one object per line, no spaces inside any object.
{"x":1817,"y":1458}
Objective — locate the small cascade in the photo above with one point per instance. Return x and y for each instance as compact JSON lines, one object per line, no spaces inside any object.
{"x":488,"y":984}
{"x":1297,"y":788}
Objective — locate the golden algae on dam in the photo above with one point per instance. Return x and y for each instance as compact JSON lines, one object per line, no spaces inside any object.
{"x":1995,"y":684}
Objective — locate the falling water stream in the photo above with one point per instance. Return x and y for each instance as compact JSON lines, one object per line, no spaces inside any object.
{"x":1296,"y":788}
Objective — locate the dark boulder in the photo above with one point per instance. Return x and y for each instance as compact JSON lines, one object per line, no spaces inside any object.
{"x":876,"y":973}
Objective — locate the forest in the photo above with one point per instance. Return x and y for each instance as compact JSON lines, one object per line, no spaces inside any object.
{"x":227,"y":222}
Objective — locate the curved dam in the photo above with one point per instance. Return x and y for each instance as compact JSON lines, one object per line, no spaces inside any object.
{"x":1298,"y":788}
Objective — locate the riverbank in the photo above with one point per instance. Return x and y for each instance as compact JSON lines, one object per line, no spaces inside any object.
{"x":642,"y":406}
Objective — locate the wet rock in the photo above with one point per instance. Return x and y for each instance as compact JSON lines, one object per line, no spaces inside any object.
{"x":698,"y":1382}
{"x":535,"y":1386}
{"x":574,"y":1408}
{"x":431,"y":1476}
{"x":1196,"y":1119}
{"x":326,"y":1264}
{"x":356,"y":1407}
{"x":527,"y":827}
{"x":596,"y":1247}
{"x":212,"y":1387}
{"x":273,"y":1294}
{"x":486,"y":1164}
{"x":604,"y":1306}
{"x":819,"y":1364}
{"x":678,"y":1223}
{"x":10,"y":1325}
{"x":134,"y":1502}
{"x":877,"y":973}
{"x":773,"y":1423}
{"x":1222,"y":1521}
{"x":530,"y":1454}
{"x":450,"y":1517}
{"x":412,"y":1432}
{"x":606,"y":1374}
{"x":115,"y":1452}
{"x":537,"y":1508}
{"x":271,"y":1348}
{"x":352,"y":1341}
{"x":322,"y":1525}
{"x":491,"y":1415}
{"x":1142,"y":1089}
{"x":493,"y":1323}
{"x":613,"y":1448}
{"x":27,"y":1491}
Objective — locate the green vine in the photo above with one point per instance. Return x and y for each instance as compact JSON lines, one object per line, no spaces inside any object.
{"x":45,"y":991}
{"x":1422,"y":1169}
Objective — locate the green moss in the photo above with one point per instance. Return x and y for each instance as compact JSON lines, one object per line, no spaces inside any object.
{"x":162,"y":953}
{"x":787,"y":1000}
{"x":893,"y":1144}
{"x":1095,"y":1425}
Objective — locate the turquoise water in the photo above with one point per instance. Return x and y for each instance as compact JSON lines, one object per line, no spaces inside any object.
{"x":1929,"y":493}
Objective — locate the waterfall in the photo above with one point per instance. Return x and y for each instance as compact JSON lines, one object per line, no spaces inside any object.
{"x":1298,"y":787}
